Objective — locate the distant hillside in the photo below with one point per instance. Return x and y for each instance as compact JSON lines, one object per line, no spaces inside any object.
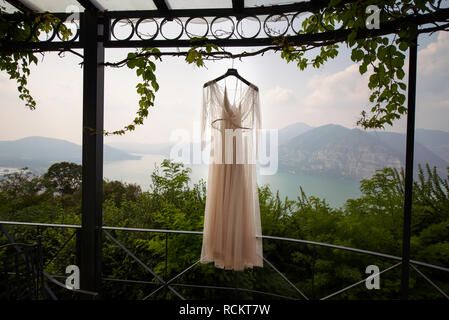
{"x":424,"y":151}
{"x":292,"y":131}
{"x":143,"y":148}
{"x":437,"y":141}
{"x":38,"y":153}
{"x":328,"y":150}
{"x":339,"y":151}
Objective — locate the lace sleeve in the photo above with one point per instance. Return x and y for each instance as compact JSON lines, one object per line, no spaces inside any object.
{"x":257,"y":122}
{"x":204,"y":116}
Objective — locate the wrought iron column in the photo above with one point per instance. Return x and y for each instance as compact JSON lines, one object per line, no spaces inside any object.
{"x":92,"y":187}
{"x":408,"y":191}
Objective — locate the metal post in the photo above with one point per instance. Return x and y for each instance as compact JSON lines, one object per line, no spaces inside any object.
{"x":92,"y":186}
{"x":39,"y":267}
{"x":408,"y":193}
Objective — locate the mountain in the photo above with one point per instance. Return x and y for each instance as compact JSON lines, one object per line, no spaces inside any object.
{"x":424,"y":151}
{"x":143,"y":148}
{"x":353,"y":153}
{"x":437,"y":141}
{"x":292,"y":131}
{"x":39,"y":153}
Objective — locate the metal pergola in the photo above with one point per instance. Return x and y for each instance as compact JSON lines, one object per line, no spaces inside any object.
{"x":96,"y":33}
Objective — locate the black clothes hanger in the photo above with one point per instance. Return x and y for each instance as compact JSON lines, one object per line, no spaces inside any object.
{"x":231,"y":72}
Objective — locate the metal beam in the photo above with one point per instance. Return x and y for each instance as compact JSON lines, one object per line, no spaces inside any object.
{"x":334,"y":35}
{"x":88,"y":5}
{"x":340,"y":35}
{"x":238,"y":5}
{"x":92,"y":185}
{"x":262,"y":10}
{"x":161,"y":6}
{"x":408,"y":193}
{"x":19,"y":5}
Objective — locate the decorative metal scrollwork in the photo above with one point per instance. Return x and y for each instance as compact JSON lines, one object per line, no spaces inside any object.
{"x":218,"y":33}
{"x":174,"y":28}
{"x":123,"y":22}
{"x":218,"y":27}
{"x":173,"y":21}
{"x":241,"y":32}
{"x":141,"y":33}
{"x":35,"y":31}
{"x":189,"y":22}
{"x":270,"y":31}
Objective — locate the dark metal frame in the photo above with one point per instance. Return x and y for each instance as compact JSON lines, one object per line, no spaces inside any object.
{"x":170,"y":284}
{"x":95,"y":36}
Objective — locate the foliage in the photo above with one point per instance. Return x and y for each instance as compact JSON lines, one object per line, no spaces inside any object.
{"x":382,"y":57}
{"x":17,"y":64}
{"x":370,"y":222}
{"x":145,"y":69}
{"x":64,"y":177}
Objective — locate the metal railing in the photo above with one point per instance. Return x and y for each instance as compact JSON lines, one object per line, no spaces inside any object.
{"x":171,"y":284}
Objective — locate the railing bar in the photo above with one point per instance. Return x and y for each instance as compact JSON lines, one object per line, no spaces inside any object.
{"x":60,"y":249}
{"x":49,"y":291}
{"x":182,"y":272}
{"x":172,"y":279}
{"x":17,"y":248}
{"x":130,"y":281}
{"x":334,"y":247}
{"x":141,"y":263}
{"x":361,"y":281}
{"x":152,"y":230}
{"x":35,"y":224}
{"x":17,"y":243}
{"x":49,"y":277}
{"x":231,"y":288}
{"x":430,"y":281}
{"x":428,"y":265}
{"x":198,"y":286}
{"x":285,"y":278}
{"x":383,"y":255}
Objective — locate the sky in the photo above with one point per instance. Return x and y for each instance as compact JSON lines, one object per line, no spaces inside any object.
{"x":335,"y":93}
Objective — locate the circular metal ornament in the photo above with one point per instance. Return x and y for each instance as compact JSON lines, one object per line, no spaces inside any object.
{"x":302,"y":13}
{"x":73,"y":38}
{"x":215,"y":35}
{"x":36,"y":30}
{"x":239,"y":23}
{"x":172,"y":19}
{"x":190,"y":35}
{"x":129,"y":22}
{"x":267,"y":30}
{"x":141,"y":36}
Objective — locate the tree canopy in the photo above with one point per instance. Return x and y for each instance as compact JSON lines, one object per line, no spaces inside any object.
{"x":372,"y":221}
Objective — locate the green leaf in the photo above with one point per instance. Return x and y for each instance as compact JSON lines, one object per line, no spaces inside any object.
{"x":400,"y":73}
{"x":362,"y":68}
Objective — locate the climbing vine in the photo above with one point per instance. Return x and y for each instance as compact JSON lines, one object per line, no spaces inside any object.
{"x":378,"y":52}
{"x":17,"y":63}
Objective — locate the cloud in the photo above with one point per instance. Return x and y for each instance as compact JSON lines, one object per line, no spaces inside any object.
{"x":341,"y":96}
{"x":434,"y":60}
{"x":278,"y":96}
{"x":340,"y":90}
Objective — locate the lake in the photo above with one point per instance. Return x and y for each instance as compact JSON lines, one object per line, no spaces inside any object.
{"x":335,"y":190}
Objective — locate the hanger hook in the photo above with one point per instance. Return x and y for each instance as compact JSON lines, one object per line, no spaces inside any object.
{"x":232,"y":63}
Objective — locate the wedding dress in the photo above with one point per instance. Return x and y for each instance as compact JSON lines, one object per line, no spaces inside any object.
{"x":232,"y":228}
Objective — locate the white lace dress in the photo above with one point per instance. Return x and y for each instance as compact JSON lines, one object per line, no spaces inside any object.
{"x":232,"y":227}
